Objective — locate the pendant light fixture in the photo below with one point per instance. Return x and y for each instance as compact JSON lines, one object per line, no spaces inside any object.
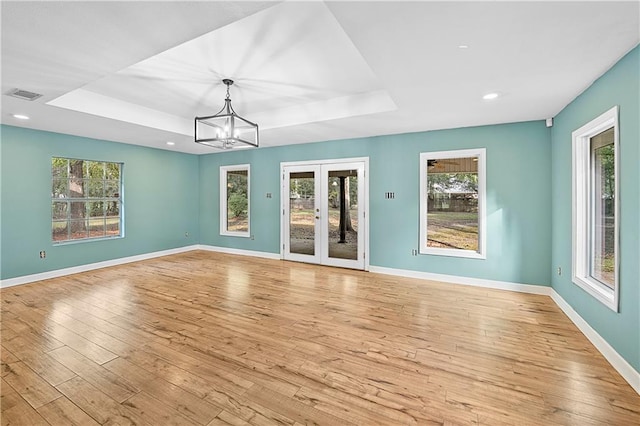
{"x":226,"y":129}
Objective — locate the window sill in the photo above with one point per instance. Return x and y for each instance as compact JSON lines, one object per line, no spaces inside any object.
{"x":235,"y":234}
{"x":85,"y":240}
{"x":603,"y":294}
{"x":469,"y":254}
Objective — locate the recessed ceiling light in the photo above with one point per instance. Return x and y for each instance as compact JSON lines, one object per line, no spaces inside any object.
{"x":463,"y":46}
{"x":490,"y":96}
{"x":171,"y":143}
{"x":20,"y":116}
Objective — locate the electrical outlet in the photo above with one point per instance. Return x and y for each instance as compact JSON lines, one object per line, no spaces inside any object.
{"x":559,"y":270}
{"x":186,"y":235}
{"x":414,"y":252}
{"x":252,"y":237}
{"x":268,"y":195}
{"x":43,"y":254}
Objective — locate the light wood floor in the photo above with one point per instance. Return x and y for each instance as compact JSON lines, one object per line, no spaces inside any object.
{"x":212,"y":339}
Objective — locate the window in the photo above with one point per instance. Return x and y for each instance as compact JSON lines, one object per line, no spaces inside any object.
{"x":86,"y":199}
{"x":595,"y":208}
{"x":452,"y":203}
{"x":234,"y":200}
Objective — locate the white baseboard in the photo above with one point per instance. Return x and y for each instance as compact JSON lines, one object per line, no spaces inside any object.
{"x":454,"y":279}
{"x":240,"y":252}
{"x":91,"y":266}
{"x":615,"y":359}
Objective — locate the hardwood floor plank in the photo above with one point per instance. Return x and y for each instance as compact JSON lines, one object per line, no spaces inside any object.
{"x":247,"y":410}
{"x":83,"y":311}
{"x":81,"y":345}
{"x":155,"y":412}
{"x":98,"y":405}
{"x":341,"y":405}
{"x":189,"y":381}
{"x":134,"y":374}
{"x":61,"y":411}
{"x":220,"y":422}
{"x":104,"y":333}
{"x":185,"y":403}
{"x":29,"y":385}
{"x":111,"y":384}
{"x":15,"y":410}
{"x":175,"y":397}
{"x":31,"y":342}
{"x":48,"y":368}
{"x":7,"y":390}
{"x":291,"y":408}
{"x":29,"y":349}
{"x":212,"y":339}
{"x":226,"y":418}
{"x":6,"y":358}
{"x":625,"y":406}
{"x":269,"y":381}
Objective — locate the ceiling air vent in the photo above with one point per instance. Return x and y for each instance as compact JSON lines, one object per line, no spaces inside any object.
{"x":24,"y":94}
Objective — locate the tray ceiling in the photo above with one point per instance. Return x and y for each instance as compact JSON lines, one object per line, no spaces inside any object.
{"x":305,"y":71}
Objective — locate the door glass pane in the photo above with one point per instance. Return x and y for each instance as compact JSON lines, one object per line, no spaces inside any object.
{"x":343,"y":214}
{"x":603,"y":205}
{"x":302,"y":213}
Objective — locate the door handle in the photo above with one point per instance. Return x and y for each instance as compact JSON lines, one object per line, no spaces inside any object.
{"x":317,"y":217}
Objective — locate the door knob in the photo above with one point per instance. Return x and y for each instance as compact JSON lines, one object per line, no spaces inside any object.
{"x":317,"y":217}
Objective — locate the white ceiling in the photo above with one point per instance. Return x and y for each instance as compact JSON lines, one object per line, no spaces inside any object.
{"x":138,"y":72}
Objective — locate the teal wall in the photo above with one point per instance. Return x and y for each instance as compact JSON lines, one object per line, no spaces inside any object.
{"x":160,"y":204}
{"x":619,"y":86}
{"x":518,"y":199}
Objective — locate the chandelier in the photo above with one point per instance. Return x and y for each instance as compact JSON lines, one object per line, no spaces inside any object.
{"x":226,"y":129}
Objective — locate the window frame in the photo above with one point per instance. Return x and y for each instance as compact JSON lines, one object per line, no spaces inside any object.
{"x":480,"y":153}
{"x":86,"y":199}
{"x":224,"y":170}
{"x":582,"y":208}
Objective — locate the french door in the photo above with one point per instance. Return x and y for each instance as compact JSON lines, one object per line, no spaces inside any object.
{"x":324,"y":212}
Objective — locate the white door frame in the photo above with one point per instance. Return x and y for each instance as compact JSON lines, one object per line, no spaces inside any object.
{"x":362,"y":203}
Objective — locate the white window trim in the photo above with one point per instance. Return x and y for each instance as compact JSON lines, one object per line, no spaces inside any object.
{"x":223,"y":200}
{"x":103,"y":199}
{"x":482,"y":194}
{"x":581,"y":209}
